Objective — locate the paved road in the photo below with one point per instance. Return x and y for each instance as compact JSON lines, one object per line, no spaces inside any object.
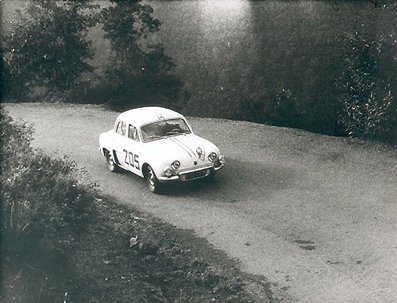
{"x":315,"y":215}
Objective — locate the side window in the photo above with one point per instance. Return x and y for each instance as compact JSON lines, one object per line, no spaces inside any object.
{"x":121,"y":128}
{"x":133,"y":133}
{"x":118,"y":128}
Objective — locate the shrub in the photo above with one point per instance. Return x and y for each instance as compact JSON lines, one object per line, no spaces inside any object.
{"x":368,"y":109}
{"x":44,"y":206}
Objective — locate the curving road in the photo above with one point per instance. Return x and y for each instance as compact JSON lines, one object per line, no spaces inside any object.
{"x":316,"y":215}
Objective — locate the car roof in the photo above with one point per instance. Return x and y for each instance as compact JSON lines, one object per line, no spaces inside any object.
{"x":149,"y":114}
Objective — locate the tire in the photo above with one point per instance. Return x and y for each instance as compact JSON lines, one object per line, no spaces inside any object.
{"x":111,"y":163}
{"x":152,"y":182}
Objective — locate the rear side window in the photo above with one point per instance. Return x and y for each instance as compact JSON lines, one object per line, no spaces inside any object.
{"x":121,"y":128}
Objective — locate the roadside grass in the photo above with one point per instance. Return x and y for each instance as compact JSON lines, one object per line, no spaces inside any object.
{"x":61,"y":241}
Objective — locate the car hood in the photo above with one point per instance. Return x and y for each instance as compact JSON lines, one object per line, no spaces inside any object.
{"x":181,"y":148}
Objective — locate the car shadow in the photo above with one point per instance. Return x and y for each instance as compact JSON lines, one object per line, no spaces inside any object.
{"x":237,"y":181}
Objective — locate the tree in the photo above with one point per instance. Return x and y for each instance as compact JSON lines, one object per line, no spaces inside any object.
{"x":139,"y":71}
{"x":367,"y":109}
{"x":48,"y":46}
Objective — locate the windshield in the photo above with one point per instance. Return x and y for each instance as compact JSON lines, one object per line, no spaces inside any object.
{"x":165,"y":128}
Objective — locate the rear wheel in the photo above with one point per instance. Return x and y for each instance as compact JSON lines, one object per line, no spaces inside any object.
{"x":111,"y":163}
{"x":151,"y":180}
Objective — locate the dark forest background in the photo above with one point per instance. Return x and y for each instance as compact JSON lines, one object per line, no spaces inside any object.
{"x":323,"y":66}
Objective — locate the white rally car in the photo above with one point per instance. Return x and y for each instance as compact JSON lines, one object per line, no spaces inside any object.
{"x":158,"y":144}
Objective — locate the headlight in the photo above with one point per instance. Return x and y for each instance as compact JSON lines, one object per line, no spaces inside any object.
{"x":212,"y":157}
{"x":199,"y":151}
{"x":222,"y":159}
{"x":168,"y":172}
{"x":176,"y":164}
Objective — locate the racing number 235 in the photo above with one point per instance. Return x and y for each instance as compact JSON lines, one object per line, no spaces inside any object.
{"x":131,"y":159}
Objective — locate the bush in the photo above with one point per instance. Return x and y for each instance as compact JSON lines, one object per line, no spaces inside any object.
{"x":44,"y":207}
{"x":371,"y":118}
{"x":368,"y":109}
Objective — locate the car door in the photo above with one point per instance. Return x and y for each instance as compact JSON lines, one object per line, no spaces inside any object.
{"x":119,"y":142}
{"x":131,"y":150}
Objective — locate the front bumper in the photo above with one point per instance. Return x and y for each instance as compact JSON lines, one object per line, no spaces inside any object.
{"x":193,"y":174}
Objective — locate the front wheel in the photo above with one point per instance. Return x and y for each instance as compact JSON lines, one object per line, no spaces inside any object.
{"x":152,"y":182}
{"x":111,"y":163}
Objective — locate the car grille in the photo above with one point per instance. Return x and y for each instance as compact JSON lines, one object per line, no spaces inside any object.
{"x":195,"y":174}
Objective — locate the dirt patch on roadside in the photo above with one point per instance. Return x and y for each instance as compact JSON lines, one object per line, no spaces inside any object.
{"x":130,"y":255}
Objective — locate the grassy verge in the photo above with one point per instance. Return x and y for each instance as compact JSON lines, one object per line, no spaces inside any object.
{"x":63,"y":242}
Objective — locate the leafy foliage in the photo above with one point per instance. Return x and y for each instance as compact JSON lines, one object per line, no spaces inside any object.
{"x":44,"y":207}
{"x":48,"y":46}
{"x":139,"y":71}
{"x":367,"y":110}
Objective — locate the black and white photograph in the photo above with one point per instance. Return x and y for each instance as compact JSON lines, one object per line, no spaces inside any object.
{"x":198,"y":151}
